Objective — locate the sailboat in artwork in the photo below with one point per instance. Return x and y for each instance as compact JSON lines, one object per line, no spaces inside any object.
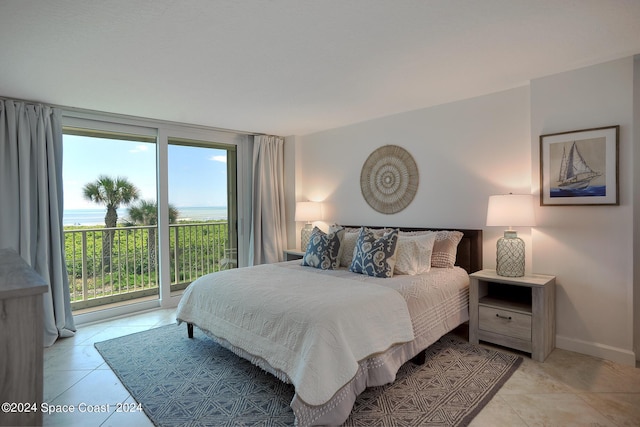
{"x":575,"y":173}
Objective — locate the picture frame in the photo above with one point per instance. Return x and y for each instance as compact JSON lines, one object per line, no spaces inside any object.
{"x":580,"y":167}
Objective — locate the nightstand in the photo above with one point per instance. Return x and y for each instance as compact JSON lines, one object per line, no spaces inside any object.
{"x":515,"y":312}
{"x":292,"y":254}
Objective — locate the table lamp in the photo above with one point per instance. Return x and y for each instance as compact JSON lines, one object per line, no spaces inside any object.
{"x":512,"y":210}
{"x":307,"y":212}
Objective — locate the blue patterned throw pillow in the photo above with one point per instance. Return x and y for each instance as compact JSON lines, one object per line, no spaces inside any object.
{"x":323,"y":249}
{"x":375,"y":255}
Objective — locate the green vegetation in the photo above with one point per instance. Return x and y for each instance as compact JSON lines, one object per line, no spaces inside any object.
{"x":111,"y":192}
{"x":121,"y":260}
{"x":196,"y":248}
{"x":145,"y":212}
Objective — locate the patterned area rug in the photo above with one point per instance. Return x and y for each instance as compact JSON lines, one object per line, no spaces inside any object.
{"x":195,"y":382}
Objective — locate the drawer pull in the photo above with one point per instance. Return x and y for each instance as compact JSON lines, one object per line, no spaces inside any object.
{"x":503,"y":317}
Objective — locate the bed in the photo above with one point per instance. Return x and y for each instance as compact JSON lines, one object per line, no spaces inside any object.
{"x":333,"y":332}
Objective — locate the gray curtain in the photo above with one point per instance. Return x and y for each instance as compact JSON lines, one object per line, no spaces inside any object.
{"x":31,"y":203}
{"x":268,"y":226}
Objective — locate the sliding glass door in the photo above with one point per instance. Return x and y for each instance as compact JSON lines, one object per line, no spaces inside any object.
{"x":145,"y":214}
{"x":202,"y":203}
{"x":110,"y":245}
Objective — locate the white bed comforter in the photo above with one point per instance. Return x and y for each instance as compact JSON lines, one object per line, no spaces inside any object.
{"x":306,"y":326}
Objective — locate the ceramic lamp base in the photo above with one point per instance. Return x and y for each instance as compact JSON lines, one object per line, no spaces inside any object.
{"x":510,"y":256}
{"x":305,"y":235}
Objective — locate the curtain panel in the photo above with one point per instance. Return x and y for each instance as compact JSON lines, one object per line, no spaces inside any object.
{"x":31,"y":198}
{"x":268,"y":225}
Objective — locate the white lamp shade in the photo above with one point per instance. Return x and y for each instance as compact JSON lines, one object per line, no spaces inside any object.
{"x":511,"y":210}
{"x":308,"y":211}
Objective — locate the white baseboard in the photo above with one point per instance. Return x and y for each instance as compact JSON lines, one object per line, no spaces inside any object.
{"x":614,"y":354}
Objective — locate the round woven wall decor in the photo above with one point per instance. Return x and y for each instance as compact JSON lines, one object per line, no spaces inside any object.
{"x":389,"y":179}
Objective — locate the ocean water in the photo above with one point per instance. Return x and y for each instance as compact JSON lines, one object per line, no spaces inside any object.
{"x":96,"y":216}
{"x":591,"y":191}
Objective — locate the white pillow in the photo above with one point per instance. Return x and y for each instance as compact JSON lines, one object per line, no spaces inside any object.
{"x":413,"y":255}
{"x":347,"y":244}
{"x":445,"y":249}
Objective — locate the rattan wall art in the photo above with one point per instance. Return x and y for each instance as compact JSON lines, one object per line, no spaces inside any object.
{"x":389,"y":179}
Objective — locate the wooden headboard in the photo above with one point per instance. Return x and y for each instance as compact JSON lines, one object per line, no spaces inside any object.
{"x":469,"y":254}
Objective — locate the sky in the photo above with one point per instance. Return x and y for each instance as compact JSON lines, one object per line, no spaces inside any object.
{"x":197,"y":176}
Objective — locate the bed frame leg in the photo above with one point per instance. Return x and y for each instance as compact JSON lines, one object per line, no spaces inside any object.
{"x":420,"y":358}
{"x":190,"y":330}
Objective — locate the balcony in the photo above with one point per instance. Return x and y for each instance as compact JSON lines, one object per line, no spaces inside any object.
{"x":115,"y":265}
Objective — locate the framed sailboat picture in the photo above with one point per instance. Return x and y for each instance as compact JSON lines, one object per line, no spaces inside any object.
{"x":580,"y":167}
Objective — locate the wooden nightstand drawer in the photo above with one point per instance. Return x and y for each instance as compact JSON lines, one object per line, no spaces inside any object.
{"x":505,"y":322}
{"x":516,"y":312}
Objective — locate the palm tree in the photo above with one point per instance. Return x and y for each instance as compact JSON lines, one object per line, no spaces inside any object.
{"x":145,"y":212}
{"x":111,"y":192}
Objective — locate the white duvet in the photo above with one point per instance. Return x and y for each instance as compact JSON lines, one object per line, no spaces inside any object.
{"x":309,"y":326}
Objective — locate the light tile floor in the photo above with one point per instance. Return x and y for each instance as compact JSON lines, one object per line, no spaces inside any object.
{"x":568,"y":389}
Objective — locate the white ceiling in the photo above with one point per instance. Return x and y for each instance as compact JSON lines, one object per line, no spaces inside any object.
{"x":292,"y":67}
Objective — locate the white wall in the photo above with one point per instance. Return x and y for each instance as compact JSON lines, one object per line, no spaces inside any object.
{"x":474,"y":148}
{"x":589,"y":248}
{"x":636,"y":204}
{"x":449,"y":144}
